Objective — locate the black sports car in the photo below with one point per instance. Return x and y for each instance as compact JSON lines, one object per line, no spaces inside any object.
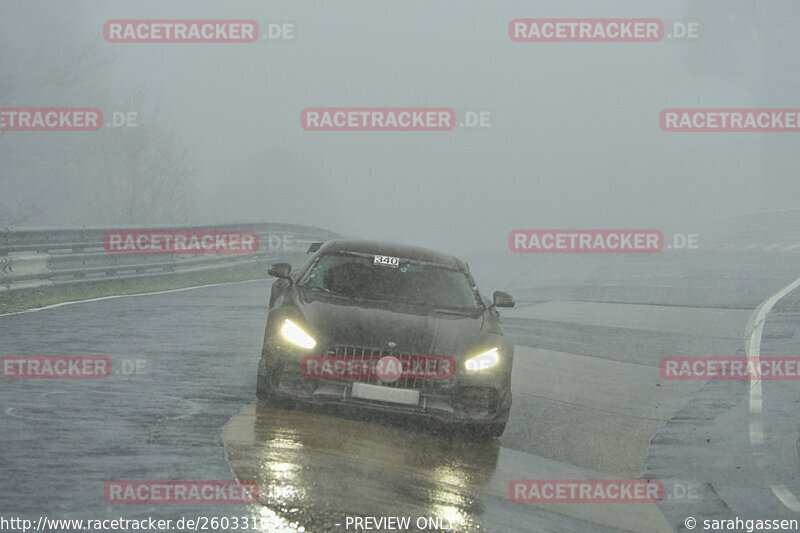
{"x":388,"y":327}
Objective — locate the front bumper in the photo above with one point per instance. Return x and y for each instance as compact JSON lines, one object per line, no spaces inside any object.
{"x":462,"y":398}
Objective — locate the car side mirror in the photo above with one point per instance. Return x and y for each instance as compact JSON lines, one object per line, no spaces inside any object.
{"x":502,"y":299}
{"x":280,"y":270}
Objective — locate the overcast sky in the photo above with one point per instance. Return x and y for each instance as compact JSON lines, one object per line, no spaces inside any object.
{"x":574,"y":140}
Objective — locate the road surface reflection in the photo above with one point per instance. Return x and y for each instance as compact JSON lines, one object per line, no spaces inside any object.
{"x":316,"y":469}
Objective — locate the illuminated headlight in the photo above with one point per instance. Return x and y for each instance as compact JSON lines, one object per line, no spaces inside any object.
{"x":295,"y":334}
{"x":483,"y":361}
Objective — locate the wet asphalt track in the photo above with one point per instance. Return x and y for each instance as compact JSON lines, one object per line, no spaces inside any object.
{"x":589,"y":403}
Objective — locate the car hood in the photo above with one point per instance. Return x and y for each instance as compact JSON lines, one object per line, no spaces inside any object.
{"x":339,"y":322}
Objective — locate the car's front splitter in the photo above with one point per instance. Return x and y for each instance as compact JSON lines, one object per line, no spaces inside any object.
{"x":459,"y":404}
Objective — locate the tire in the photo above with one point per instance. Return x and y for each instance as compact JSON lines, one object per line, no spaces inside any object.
{"x":483,"y":431}
{"x":263,"y":391}
{"x":267,"y":396}
{"x":496,"y":429}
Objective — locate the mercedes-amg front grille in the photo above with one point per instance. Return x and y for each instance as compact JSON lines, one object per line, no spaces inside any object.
{"x":369,"y":355}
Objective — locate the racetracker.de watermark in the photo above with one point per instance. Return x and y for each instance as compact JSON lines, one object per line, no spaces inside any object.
{"x":585,"y":30}
{"x":586,"y":490}
{"x":378,"y":119}
{"x":180,"y":242}
{"x":55,"y":366}
{"x":730,"y":368}
{"x":386,"y":368}
{"x":71,"y":367}
{"x":180,"y":31}
{"x":585,"y":241}
{"x":730,"y":120}
{"x":180,"y":492}
{"x":50,"y":119}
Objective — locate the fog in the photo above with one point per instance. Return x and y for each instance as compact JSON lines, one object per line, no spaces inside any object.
{"x":574,"y":139}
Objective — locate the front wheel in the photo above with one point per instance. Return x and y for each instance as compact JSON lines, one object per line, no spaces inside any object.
{"x":496,"y":429}
{"x":269,"y":397}
{"x":263,"y":391}
{"x":482,"y":431}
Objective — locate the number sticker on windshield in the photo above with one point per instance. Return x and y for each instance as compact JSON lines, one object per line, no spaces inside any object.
{"x":385,"y":260}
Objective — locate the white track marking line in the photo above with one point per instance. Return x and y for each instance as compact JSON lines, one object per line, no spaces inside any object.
{"x":755,"y":327}
{"x":786,"y":497}
{"x":53,"y":306}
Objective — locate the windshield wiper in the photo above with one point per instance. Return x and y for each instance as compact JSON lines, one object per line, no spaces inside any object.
{"x":315,"y":289}
{"x":323,"y":290}
{"x":458,"y":312}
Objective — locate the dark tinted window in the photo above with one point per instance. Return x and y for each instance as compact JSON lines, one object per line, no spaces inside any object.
{"x":409,"y":283}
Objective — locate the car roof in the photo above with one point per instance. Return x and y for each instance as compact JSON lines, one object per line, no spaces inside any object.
{"x":394,"y":250}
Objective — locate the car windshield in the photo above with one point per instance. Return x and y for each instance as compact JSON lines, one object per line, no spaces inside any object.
{"x":410,"y":283}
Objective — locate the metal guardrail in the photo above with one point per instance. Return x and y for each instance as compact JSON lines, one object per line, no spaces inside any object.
{"x":58,"y":256}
